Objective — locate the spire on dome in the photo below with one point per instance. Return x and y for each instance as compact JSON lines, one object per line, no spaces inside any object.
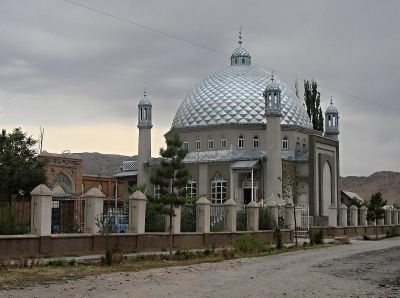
{"x":240,"y":55}
{"x":240,"y":37}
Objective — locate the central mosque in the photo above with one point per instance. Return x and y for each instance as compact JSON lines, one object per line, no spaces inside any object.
{"x":244,"y":130}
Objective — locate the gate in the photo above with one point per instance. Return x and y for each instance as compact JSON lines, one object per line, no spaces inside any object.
{"x":302,"y":221}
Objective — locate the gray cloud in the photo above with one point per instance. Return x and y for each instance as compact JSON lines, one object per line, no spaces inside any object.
{"x":70,"y":65}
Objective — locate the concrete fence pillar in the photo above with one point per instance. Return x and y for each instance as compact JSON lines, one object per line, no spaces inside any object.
{"x":353,"y":216}
{"x":231,"y":215}
{"x":380,"y":221}
{"x":395,"y":217}
{"x":332,"y":216}
{"x":41,"y":204}
{"x":137,"y":212}
{"x":203,"y":215}
{"x":176,"y":221}
{"x":343,"y":215}
{"x":289,"y":216}
{"x":273,"y":212}
{"x":372,"y":222}
{"x":363,"y":216}
{"x":253,"y":215}
{"x":93,"y":209}
{"x":388,"y":216}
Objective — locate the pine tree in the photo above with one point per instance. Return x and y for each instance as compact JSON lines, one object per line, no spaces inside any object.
{"x":172,"y":177}
{"x":375,"y":209}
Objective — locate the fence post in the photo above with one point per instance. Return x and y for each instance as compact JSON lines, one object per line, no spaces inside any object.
{"x":343,"y":215}
{"x":388,"y":216}
{"x":203,"y":215}
{"x":332,"y":216}
{"x":353,"y":216}
{"x":273,"y":212}
{"x":137,"y":212}
{"x":253,"y":215}
{"x":363,"y":216}
{"x":380,"y":221}
{"x":93,"y":209}
{"x":41,"y":204}
{"x":176,"y":221}
{"x":231,"y":215}
{"x":395,"y":217}
{"x":289,"y":216}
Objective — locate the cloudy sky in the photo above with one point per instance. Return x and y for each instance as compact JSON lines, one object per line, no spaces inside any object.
{"x":80,"y":74}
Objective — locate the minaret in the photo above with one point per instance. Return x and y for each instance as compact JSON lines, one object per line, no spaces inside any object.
{"x":272,"y":95}
{"x":332,"y":122}
{"x":144,"y":146}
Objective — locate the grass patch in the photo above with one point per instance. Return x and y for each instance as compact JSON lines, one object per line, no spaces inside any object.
{"x":60,"y":270}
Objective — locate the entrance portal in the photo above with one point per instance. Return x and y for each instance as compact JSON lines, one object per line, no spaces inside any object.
{"x":246,"y":195}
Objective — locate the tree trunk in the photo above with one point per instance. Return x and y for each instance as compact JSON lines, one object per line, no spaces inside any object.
{"x":376,"y":229}
{"x":170,"y":232}
{"x":295,"y":223}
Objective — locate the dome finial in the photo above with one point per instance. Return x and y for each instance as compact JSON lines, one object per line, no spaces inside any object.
{"x":240,"y":36}
{"x":272,"y":76}
{"x":331,"y":100}
{"x":145,"y":92}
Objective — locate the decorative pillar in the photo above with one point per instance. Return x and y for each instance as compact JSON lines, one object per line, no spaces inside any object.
{"x":203,"y":215}
{"x":332,"y":215}
{"x":253,"y":215}
{"x":231,"y":215}
{"x":273,"y":212}
{"x":395,"y":217}
{"x":94,"y":203}
{"x":380,"y":221}
{"x":41,"y":205}
{"x":176,"y":221}
{"x":363,"y":216}
{"x":388,"y":216}
{"x":343,"y":215}
{"x":137,"y":212}
{"x":289,"y":216}
{"x":353,"y":216}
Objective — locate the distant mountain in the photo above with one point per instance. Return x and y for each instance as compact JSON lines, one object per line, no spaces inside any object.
{"x":386,"y":182}
{"x":95,"y":163}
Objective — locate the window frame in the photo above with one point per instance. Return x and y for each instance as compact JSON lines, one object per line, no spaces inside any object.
{"x":198,"y":144}
{"x":285,"y":143}
{"x":256,"y":142}
{"x":218,"y":189}
{"x":241,"y":141}
{"x":210,"y":142}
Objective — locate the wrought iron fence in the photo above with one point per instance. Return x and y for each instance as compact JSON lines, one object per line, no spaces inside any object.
{"x":15,"y":218}
{"x":155,"y":222}
{"x":68,"y":215}
{"x":302,"y":221}
{"x":188,"y":218}
{"x":218,"y":218}
{"x":241,"y":219}
{"x":116,"y":215}
{"x":264,"y":220}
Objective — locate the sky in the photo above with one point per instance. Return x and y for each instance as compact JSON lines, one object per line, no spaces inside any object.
{"x":80,"y":74}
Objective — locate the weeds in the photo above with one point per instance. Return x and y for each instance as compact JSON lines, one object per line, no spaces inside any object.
{"x":248,"y":244}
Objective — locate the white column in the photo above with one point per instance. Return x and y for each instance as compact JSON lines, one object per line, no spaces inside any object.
{"x":252,"y":185}
{"x":274,"y":161}
{"x":253,"y":215}
{"x":388,"y":216}
{"x":273,"y":212}
{"x":231,"y":214}
{"x":332,"y":216}
{"x":176,"y":221}
{"x":363,"y":216}
{"x":41,"y":205}
{"x":289,"y":216}
{"x":203,"y":215}
{"x":94,"y":204}
{"x":395,"y":217}
{"x":353,"y":216}
{"x":343,"y":215}
{"x":137,"y":212}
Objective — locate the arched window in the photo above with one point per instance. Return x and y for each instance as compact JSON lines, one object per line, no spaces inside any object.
{"x":210,"y":143}
{"x":304,"y":146}
{"x":243,"y":60}
{"x":185,"y":145}
{"x":198,"y":143}
{"x":241,"y":141}
{"x":223,"y":142}
{"x":218,"y":189}
{"x":255,"y":142}
{"x":298,"y":144}
{"x":285,"y":143}
{"x":191,"y":187}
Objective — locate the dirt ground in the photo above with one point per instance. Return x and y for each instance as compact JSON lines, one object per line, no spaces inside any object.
{"x":362,"y":269}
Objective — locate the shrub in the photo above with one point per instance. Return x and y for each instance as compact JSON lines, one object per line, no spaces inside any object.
{"x":248,"y":244}
{"x":278,"y":237}
{"x":185,"y":254}
{"x":316,"y":238}
{"x":265,"y":221}
{"x":366,"y":237}
{"x":241,"y":221}
{"x":57,"y":263}
{"x":392,"y":232}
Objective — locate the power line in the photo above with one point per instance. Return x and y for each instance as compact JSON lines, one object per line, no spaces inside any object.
{"x":184,"y":40}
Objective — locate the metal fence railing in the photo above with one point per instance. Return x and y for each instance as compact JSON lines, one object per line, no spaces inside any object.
{"x":154,"y":222}
{"x":265,"y":220}
{"x":241,"y":219}
{"x":116,"y":215}
{"x":15,"y":218}
{"x":68,"y":215}
{"x":188,"y":218}
{"x":218,"y":218}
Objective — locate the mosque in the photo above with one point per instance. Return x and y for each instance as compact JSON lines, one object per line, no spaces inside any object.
{"x":244,"y":129}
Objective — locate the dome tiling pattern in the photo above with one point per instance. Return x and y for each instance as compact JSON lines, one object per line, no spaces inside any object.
{"x":235,"y":96}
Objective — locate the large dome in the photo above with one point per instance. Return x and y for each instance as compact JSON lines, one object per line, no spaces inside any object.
{"x":235,"y":96}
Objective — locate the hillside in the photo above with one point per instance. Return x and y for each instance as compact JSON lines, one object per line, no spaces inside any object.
{"x":102,"y":164}
{"x":386,"y":182}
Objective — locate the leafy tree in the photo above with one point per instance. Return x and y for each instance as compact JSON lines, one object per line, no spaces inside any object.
{"x":20,"y":169}
{"x":312,"y":99}
{"x":172,"y":177}
{"x":375,"y":209}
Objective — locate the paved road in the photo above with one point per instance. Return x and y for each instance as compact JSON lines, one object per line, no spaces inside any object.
{"x":363,"y":269}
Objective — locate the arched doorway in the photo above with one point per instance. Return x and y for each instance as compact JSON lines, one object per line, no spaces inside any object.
{"x":326,"y":189}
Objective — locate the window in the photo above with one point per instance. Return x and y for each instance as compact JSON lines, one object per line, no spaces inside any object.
{"x":285,"y":143}
{"x":157,"y":191}
{"x":298,"y":144}
{"x":243,"y":61}
{"x":198,"y":144}
{"x":223,"y":142}
{"x":304,"y":146}
{"x":241,"y":141}
{"x":55,"y":204}
{"x":210,"y":143}
{"x":186,"y":146}
{"x":218,"y":189}
{"x":255,"y":142}
{"x":191,"y":188}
